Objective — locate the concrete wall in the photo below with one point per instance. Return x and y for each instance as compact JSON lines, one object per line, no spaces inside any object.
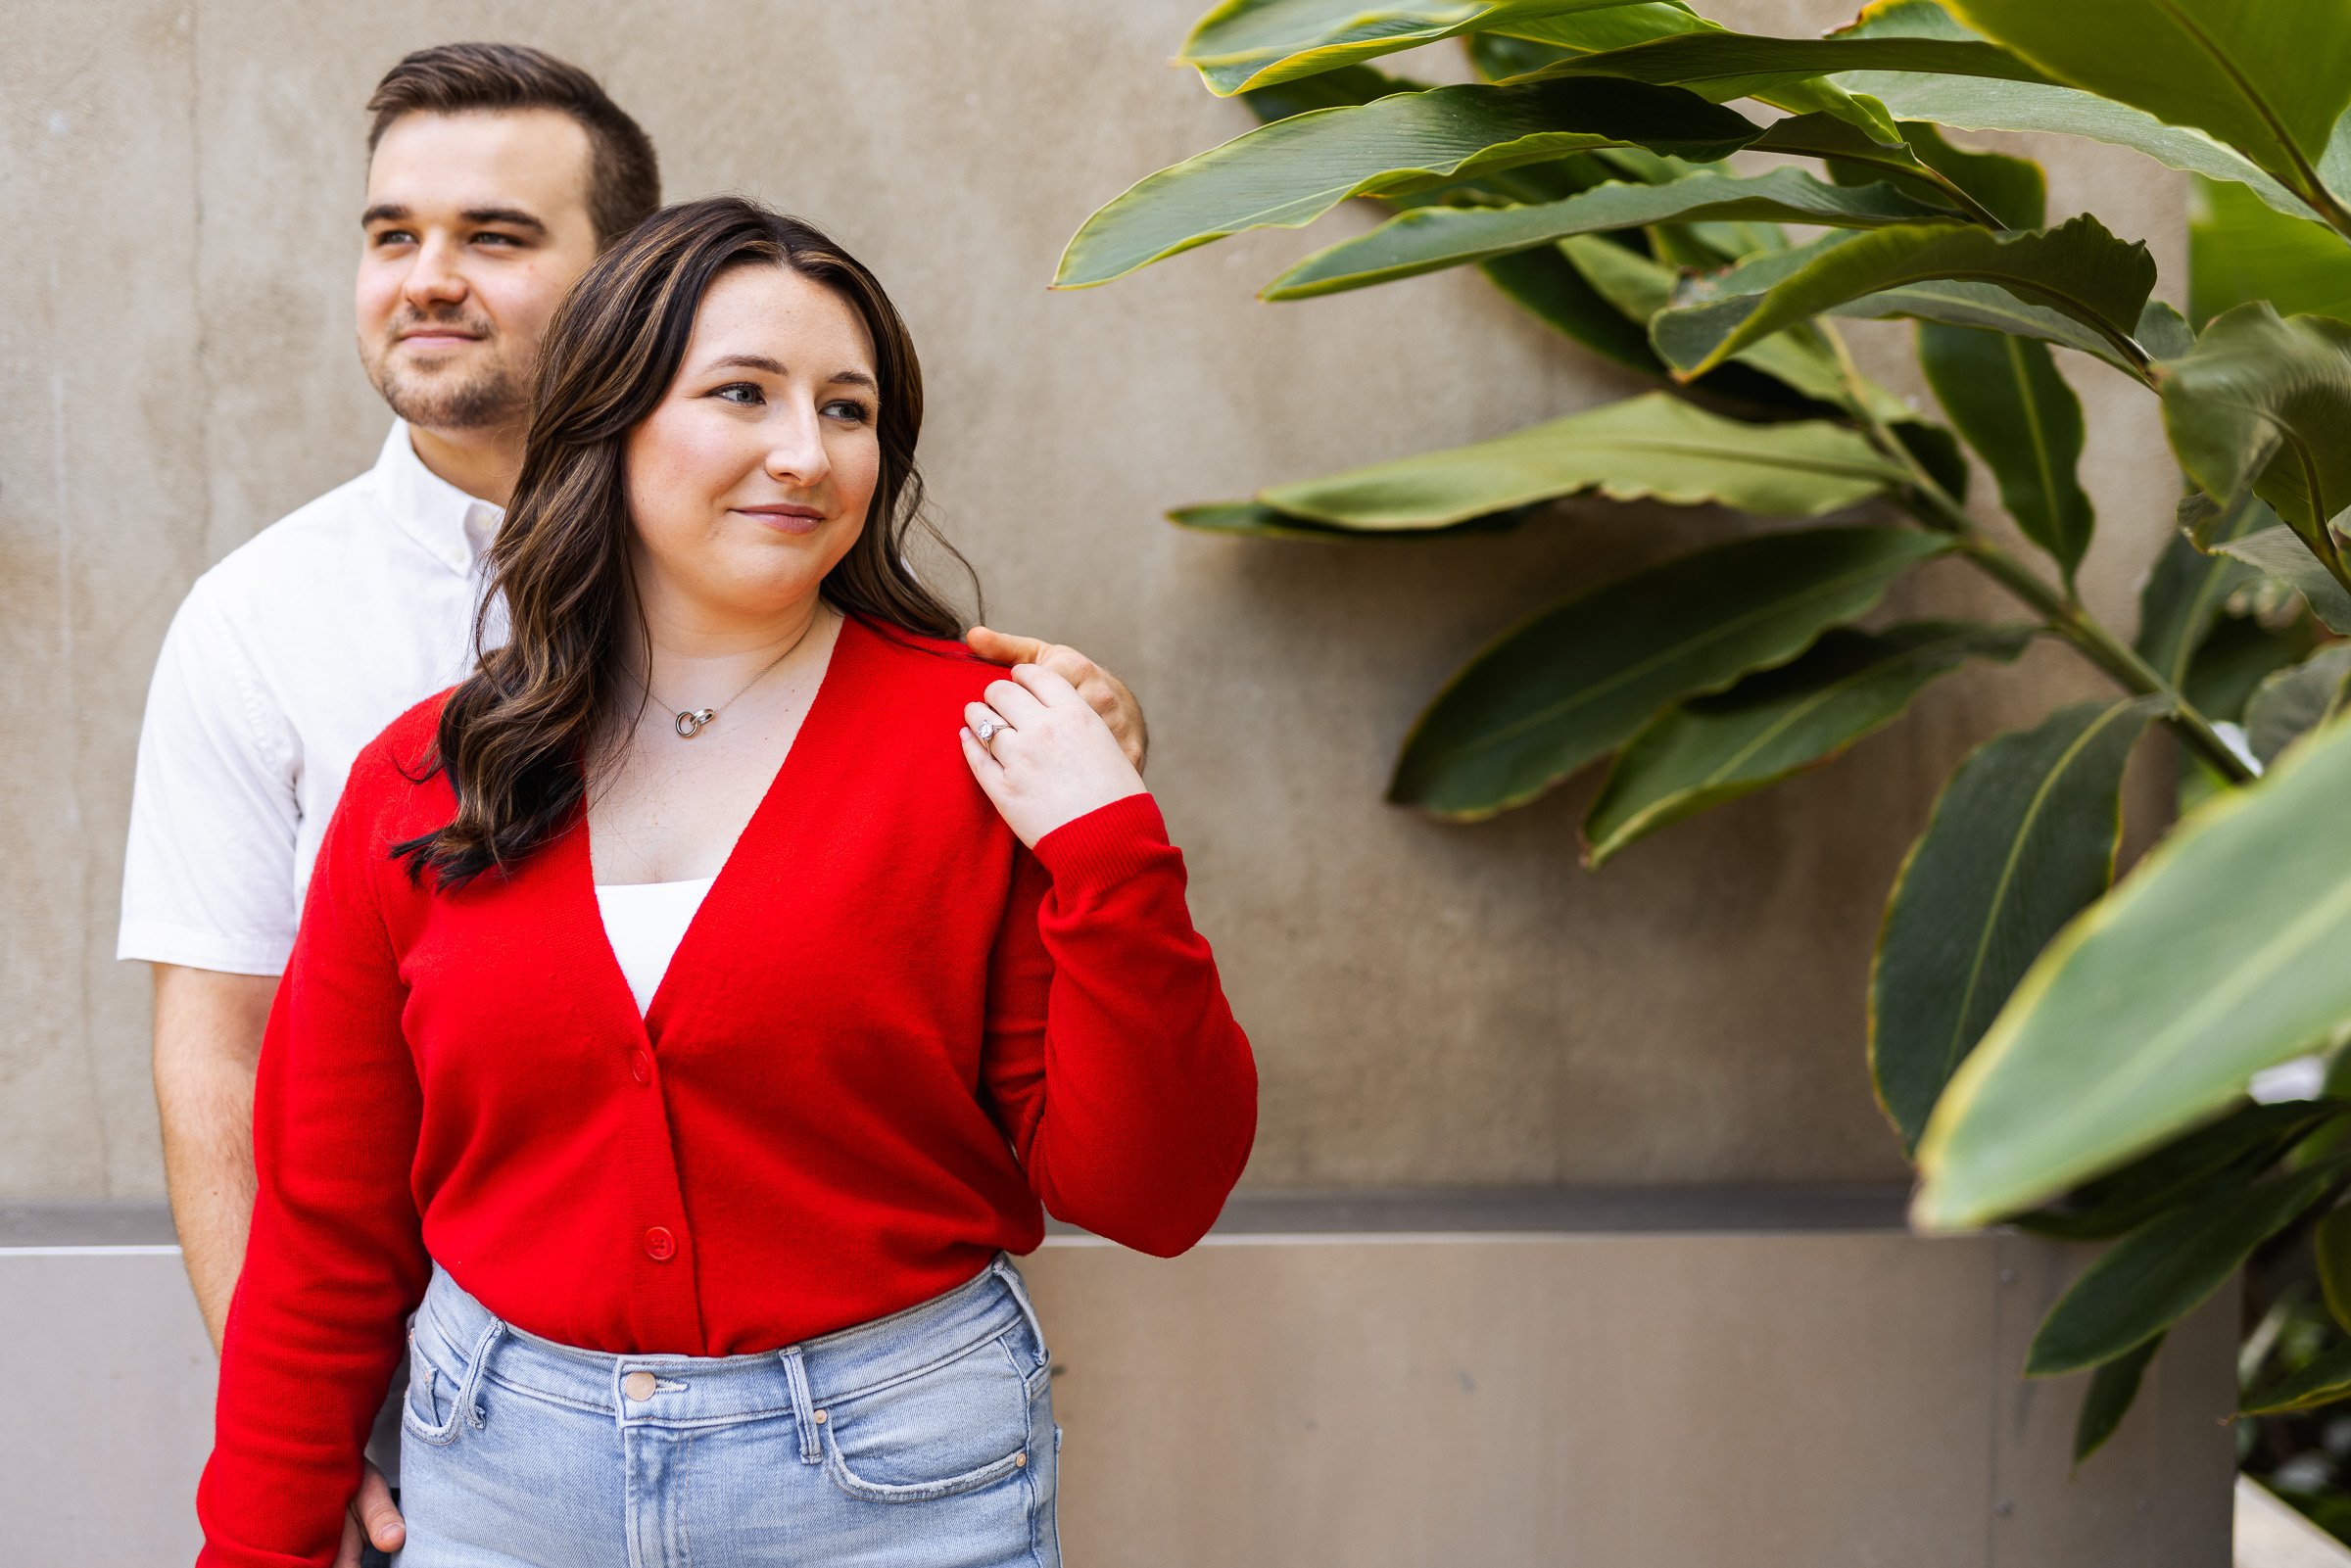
{"x":1431,"y":1004}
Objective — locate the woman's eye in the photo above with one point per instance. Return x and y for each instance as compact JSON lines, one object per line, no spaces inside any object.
{"x":848,"y":408}
{"x":750,"y":395}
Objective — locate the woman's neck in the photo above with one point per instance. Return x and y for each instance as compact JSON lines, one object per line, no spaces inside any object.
{"x":696,"y":658}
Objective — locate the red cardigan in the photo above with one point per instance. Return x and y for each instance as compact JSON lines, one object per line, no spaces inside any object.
{"x":888,"y":1033}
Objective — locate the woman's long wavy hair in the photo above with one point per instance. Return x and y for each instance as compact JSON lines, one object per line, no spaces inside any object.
{"x":514,"y":736}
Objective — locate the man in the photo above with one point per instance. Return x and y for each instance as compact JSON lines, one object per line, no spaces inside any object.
{"x":495,"y":174}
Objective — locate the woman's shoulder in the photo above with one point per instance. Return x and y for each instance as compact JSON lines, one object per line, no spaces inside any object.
{"x":918,"y":663}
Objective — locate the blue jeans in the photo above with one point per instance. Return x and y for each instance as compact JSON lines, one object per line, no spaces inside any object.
{"x":921,"y":1439}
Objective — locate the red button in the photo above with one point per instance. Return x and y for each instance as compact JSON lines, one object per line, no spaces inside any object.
{"x":641,"y":1066}
{"x":659,"y":1245}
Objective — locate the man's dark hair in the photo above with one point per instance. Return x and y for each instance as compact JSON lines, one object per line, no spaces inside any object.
{"x":624,"y":183}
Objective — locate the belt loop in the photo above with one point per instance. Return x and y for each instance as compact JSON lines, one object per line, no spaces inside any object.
{"x":803,"y":1408}
{"x":476,"y":1364}
{"x":1020,"y":1293}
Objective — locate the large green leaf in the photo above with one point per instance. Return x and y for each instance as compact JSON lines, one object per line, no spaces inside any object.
{"x":2264,"y":403}
{"x":2280,"y":554}
{"x":1777,"y":723}
{"x":2007,"y":399}
{"x":1287,"y":173}
{"x":1652,"y":447}
{"x":2269,"y":77}
{"x":2112,"y":1387}
{"x":2077,"y":268}
{"x":1528,"y":44}
{"x":2221,"y":955}
{"x":2326,"y":1380}
{"x":1243,"y":44}
{"x":2165,"y":1270}
{"x":2239,"y":250}
{"x":2291,"y":703}
{"x":1579,"y":680}
{"x":1428,"y":238}
{"x":2187,"y":588}
{"x":2021,"y":838}
{"x":1732,"y":64}
{"x":1970,"y":103}
{"x":1989,"y":305}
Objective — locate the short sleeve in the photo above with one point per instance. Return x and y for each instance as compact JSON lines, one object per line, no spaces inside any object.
{"x":208,"y":872}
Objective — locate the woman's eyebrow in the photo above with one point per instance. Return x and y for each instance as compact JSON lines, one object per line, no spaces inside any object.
{"x":760,"y":361}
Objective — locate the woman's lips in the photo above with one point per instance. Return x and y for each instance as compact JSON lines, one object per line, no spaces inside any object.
{"x":785,"y":519}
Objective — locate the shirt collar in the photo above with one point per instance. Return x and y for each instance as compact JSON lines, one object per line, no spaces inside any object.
{"x":453,"y":528}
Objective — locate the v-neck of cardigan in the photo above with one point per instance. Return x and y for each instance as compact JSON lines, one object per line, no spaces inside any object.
{"x":766,"y":820}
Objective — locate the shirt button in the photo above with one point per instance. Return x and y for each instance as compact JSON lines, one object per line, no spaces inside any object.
{"x":641,"y":1066}
{"x":659,"y":1245}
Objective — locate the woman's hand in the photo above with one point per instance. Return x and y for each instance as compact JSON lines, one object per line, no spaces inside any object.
{"x":1049,"y":758}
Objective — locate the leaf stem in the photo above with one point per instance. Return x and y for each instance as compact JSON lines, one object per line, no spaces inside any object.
{"x":2060,"y":612}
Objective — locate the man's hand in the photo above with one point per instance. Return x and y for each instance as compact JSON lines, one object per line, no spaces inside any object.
{"x":1103,"y":691}
{"x":373,"y":1505}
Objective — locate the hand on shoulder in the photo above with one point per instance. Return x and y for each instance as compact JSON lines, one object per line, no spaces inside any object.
{"x":1047,"y":758}
{"x":1104,"y":692}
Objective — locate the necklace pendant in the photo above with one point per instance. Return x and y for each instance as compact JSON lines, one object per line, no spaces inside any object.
{"x":689,"y":723}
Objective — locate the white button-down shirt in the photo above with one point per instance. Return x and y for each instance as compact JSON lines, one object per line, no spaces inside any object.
{"x":283,"y":661}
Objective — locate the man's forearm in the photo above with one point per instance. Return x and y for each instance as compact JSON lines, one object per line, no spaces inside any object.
{"x":207,"y":1041}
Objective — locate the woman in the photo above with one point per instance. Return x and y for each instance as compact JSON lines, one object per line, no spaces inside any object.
{"x":693,"y":1008}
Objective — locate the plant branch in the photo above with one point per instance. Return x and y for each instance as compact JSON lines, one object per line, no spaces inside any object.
{"x":2059,"y":611}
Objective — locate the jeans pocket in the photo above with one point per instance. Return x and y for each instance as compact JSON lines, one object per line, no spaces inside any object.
{"x":953,"y":1427}
{"x":437,"y":1387}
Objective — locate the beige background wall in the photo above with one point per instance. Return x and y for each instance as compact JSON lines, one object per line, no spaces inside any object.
{"x":180,"y":184}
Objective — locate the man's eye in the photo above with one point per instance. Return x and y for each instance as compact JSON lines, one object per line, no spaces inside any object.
{"x":751,"y":394}
{"x":393,"y":236}
{"x":496,"y":239}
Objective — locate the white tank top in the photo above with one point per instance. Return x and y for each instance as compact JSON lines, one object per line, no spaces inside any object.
{"x":644,"y":922}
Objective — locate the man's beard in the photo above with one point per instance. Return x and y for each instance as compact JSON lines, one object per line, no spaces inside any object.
{"x":489,"y":396}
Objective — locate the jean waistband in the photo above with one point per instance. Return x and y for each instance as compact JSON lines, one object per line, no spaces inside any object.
{"x":692,"y":1390}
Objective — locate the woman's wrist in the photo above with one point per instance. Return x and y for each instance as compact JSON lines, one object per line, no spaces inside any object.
{"x":1106,"y":844}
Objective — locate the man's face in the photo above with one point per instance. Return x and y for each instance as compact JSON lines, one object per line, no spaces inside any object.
{"x":476,"y":224}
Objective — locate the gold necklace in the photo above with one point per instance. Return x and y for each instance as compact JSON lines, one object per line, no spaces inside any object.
{"x":690,"y":722}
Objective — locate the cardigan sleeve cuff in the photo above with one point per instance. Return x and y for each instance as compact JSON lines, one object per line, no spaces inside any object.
{"x":1106,"y":844}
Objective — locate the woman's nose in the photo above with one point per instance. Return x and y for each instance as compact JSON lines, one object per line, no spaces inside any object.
{"x":797,"y":449}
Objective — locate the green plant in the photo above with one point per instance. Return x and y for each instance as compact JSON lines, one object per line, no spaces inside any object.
{"x":2052,"y":1048}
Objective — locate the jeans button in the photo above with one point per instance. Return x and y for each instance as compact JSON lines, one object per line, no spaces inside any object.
{"x":639,"y":1386}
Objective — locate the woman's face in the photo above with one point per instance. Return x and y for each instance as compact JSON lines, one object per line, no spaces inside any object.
{"x":753,"y":475}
